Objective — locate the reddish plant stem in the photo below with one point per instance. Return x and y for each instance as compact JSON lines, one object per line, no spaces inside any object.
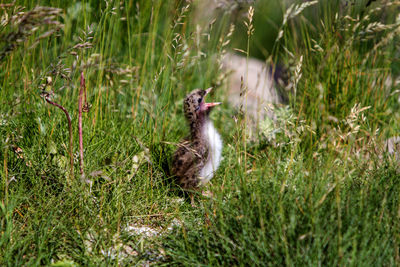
{"x":81,"y":92}
{"x":71,"y":157}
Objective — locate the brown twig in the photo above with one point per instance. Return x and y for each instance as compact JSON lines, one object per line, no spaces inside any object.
{"x":81,"y":92}
{"x":71,"y":157}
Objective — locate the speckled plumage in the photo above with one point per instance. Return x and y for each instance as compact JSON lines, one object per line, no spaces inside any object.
{"x":193,"y":155}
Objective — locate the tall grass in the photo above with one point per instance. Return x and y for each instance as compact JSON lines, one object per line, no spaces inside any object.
{"x":316,"y":188}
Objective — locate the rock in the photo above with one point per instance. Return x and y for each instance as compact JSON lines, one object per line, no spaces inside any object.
{"x":261,"y":87}
{"x":392,"y":145}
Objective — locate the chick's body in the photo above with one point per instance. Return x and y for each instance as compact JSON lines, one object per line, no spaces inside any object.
{"x":199,"y":155}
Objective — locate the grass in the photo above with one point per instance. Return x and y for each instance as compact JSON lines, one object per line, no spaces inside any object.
{"x":315,"y":187}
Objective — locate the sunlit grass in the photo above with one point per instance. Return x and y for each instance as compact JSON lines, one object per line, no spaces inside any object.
{"x":314,"y":188}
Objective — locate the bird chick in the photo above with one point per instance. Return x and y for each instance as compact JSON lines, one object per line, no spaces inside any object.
{"x":199,"y":155}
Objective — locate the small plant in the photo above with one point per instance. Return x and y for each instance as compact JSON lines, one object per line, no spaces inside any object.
{"x":47,"y":94}
{"x":285,"y":129}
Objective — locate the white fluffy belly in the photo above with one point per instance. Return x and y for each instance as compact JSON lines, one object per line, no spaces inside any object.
{"x":214,"y":155}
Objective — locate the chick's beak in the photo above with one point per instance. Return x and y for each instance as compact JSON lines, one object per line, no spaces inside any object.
{"x":208,"y":90}
{"x":210,"y":105}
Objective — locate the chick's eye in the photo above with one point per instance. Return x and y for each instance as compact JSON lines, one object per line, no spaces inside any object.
{"x":197,"y":108}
